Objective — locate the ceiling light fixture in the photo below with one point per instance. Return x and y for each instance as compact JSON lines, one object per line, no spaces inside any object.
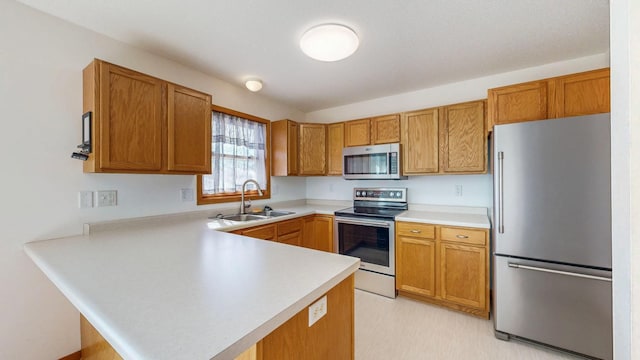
{"x":329,"y":42}
{"x":253,"y":85}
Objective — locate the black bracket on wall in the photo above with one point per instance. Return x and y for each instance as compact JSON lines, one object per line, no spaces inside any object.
{"x":85,"y":147}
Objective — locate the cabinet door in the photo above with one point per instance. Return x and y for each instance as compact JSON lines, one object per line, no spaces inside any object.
{"x":130,"y":118}
{"x":292,"y":148}
{"x":335,"y":143}
{"x":308,"y":232}
{"x":385,"y":129}
{"x":323,"y":228}
{"x":357,"y":132}
{"x":582,"y":94}
{"x":463,"y":139}
{"x":284,"y":148}
{"x":463,"y":274}
{"x":313,"y":151}
{"x":416,"y":265}
{"x":188,"y":130}
{"x":517,"y":103}
{"x":265,"y":232}
{"x":420,"y":142}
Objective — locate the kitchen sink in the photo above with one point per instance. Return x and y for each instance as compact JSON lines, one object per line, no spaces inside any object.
{"x":244,"y":217}
{"x":253,"y":216}
{"x":272,"y":213}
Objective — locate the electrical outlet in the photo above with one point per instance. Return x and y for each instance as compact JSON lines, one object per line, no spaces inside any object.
{"x":106,"y":198}
{"x":317,"y":310}
{"x":458,"y":190}
{"x":85,"y":199}
{"x":186,"y":194}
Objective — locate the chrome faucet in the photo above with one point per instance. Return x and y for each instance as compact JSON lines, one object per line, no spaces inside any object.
{"x":244,"y":186}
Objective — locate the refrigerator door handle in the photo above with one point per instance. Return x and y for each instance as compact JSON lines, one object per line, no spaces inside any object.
{"x":500,"y":193}
{"x":535,"y":268}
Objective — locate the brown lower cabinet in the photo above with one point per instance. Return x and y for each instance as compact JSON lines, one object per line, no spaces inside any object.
{"x":331,"y":337}
{"x":313,"y":232}
{"x":445,"y":265}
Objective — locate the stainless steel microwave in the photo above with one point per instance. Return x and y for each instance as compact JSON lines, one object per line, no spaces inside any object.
{"x":372,"y":162}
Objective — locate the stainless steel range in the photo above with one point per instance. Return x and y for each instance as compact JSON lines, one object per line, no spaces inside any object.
{"x":367,"y":231}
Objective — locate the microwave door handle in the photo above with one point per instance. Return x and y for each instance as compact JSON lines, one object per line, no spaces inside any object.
{"x":365,"y":223}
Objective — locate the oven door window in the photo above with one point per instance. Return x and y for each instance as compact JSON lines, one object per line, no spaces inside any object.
{"x":367,"y":242}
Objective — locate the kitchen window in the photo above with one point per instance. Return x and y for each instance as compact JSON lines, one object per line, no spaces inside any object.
{"x":239,"y":151}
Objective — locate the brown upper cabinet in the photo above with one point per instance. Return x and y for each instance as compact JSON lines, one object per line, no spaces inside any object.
{"x":385,"y":129}
{"x":298,"y":149}
{"x":142,"y":124}
{"x":313,"y":150}
{"x":582,"y":94}
{"x":463,"y":140}
{"x":445,"y":140}
{"x":284,"y":148}
{"x":570,"y":95}
{"x":357,"y":132}
{"x":420,"y":142}
{"x":377,"y":130}
{"x":335,"y":143}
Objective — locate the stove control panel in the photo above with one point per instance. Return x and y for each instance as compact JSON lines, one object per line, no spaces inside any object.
{"x":380,"y":194}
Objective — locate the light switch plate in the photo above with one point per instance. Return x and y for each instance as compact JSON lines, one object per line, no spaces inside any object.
{"x":106,"y":198}
{"x":85,"y":199}
{"x":317,"y":310}
{"x":186,"y":194}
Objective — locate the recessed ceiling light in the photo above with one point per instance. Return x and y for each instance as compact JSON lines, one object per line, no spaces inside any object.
{"x":329,"y":42}
{"x":253,"y":85}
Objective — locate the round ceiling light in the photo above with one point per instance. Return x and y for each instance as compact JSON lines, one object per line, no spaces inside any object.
{"x":329,"y":42}
{"x":253,"y":85}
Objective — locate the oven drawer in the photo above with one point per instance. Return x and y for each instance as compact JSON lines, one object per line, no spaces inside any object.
{"x":416,"y":230}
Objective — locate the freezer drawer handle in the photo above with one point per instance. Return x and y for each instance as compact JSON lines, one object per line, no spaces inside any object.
{"x":592,"y":277}
{"x":462,"y":236}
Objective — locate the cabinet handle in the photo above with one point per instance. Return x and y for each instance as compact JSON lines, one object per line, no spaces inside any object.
{"x":462,"y":236}
{"x":416,"y":231}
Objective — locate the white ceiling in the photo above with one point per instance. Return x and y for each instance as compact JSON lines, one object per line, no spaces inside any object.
{"x":405,"y":45}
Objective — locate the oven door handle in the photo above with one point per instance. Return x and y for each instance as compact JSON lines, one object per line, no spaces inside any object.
{"x":365,"y":222}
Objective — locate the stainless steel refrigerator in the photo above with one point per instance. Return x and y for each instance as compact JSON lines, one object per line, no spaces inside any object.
{"x":552,"y":235}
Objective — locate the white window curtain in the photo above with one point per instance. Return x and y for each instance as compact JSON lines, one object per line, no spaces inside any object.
{"x":237,"y":154}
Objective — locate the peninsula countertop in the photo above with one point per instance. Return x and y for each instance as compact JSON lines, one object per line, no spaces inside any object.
{"x":180,"y":290}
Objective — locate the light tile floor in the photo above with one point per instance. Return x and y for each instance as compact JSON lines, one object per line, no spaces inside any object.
{"x":405,"y":329}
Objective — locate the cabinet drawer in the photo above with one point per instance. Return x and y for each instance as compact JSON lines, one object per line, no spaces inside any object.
{"x":415,"y":230}
{"x":266,"y":232}
{"x":468,"y":236}
{"x":289,"y":226}
{"x":295,"y":238}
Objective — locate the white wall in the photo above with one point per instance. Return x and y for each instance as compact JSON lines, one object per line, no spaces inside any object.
{"x":41,"y":62}
{"x":434,"y":190}
{"x":625,"y":172}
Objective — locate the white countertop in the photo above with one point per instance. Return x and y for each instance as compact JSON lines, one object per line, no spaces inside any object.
{"x":466,"y":219}
{"x":170,"y":287}
{"x":178,"y":290}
